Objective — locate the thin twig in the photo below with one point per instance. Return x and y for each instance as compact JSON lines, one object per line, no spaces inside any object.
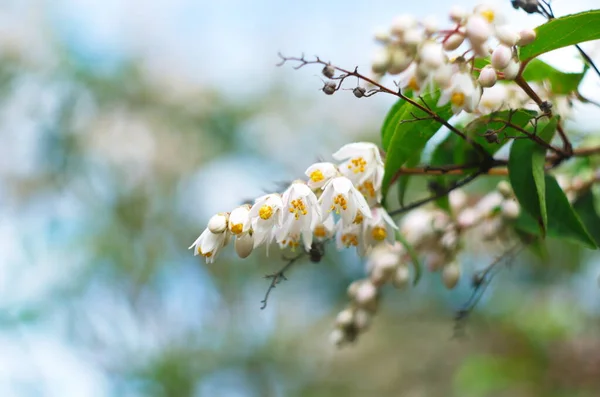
{"x":277,"y":277}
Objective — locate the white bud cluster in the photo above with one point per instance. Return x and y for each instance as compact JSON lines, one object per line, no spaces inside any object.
{"x":422,"y":53}
{"x":339,"y":200}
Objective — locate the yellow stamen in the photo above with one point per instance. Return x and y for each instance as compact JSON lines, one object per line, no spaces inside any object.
{"x":265,"y":212}
{"x":358,"y":219}
{"x":298,"y":208}
{"x":357,"y":165}
{"x":488,"y":15}
{"x":316,"y":176}
{"x":413,"y":84}
{"x":339,"y":201}
{"x":458,"y":99}
{"x":379,"y":233}
{"x":320,"y":231}
{"x":350,"y":240}
{"x":367,"y":189}
{"x":237,"y":228}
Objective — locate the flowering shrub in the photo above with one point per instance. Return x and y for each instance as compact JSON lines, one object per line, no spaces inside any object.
{"x":485,"y":72}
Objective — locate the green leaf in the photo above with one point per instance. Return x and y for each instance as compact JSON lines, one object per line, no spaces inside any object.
{"x":526,"y":173}
{"x":561,"y":82}
{"x":404,"y":179}
{"x":391,"y":120}
{"x":562,"y":32}
{"x":411,"y":136}
{"x":584,"y":206}
{"x":563,"y":221}
{"x":547,"y":131}
{"x":476,"y":128}
{"x":413,"y":257}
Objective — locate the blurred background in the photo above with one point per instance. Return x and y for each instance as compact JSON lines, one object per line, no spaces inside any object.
{"x":125,"y":124}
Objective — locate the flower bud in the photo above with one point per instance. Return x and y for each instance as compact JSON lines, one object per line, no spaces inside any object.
{"x":238,"y":220}
{"x":401,"y":277}
{"x":402,"y":23}
{"x":344,"y":318}
{"x":328,"y":71}
{"x":362,"y":319}
{"x":478,"y":30}
{"x":451,"y":275}
{"x":449,"y":240}
{"x":510,"y":209}
{"x":329,"y":88}
{"x":468,"y":217}
{"x":436,"y":260}
{"x":430,"y":24}
{"x":218,"y":223}
{"x":399,"y":61}
{"x":526,"y":36}
{"x":457,"y":14}
{"x":380,"y":61}
{"x":453,"y":41}
{"x":512,"y":70}
{"x":366,"y":295}
{"x":352,"y":289}
{"x":359,"y":92}
{"x":501,"y":57}
{"x":244,"y":245}
{"x":505,"y":189}
{"x":443,"y":75}
{"x":507,"y":35}
{"x":457,"y":200}
{"x":382,"y":35}
{"x":413,"y":37}
{"x":337,"y":337}
{"x":487,"y":77}
{"x":432,"y":55}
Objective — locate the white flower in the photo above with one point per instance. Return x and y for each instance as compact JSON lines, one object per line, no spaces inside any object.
{"x":209,"y":244}
{"x":218,"y":222}
{"x":325,"y":229}
{"x":349,"y":236}
{"x":238,"y":220}
{"x":380,"y":227}
{"x":341,"y":195}
{"x":507,"y":35}
{"x":302,"y":214}
{"x":432,"y":55}
{"x":493,"y":99}
{"x":362,"y":160}
{"x":463,"y":93}
{"x":400,"y":60}
{"x":402,"y":23}
{"x":478,"y":30}
{"x":264,"y":216}
{"x":319,"y":174}
{"x":371,"y":188}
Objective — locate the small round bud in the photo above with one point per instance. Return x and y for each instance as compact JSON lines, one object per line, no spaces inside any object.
{"x":401,"y":277}
{"x":413,"y":37}
{"x":359,"y":92}
{"x":402,"y":23}
{"x":501,"y":57}
{"x":244,"y":245}
{"x":329,"y":88}
{"x":449,"y":240}
{"x":381,"y":61}
{"x":507,"y":35}
{"x":337,"y":337}
{"x":510,"y":209}
{"x":478,"y":30}
{"x":328,"y":71}
{"x":512,"y":70}
{"x":399,"y":61}
{"x":353,"y":288}
{"x":526,"y":36}
{"x":362,"y":319}
{"x":487,"y":77}
{"x":366,"y":294}
{"x":344,"y":318}
{"x":457,"y":200}
{"x":453,"y":41}
{"x":430,"y":24}
{"x":468,"y":217}
{"x":457,"y":14}
{"x":505,"y":189}
{"x":432,"y":55}
{"x":218,"y":223}
{"x":382,"y":35}
{"x":451,"y":275}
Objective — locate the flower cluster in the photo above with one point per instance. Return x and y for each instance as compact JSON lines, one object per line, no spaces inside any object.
{"x":336,"y":200}
{"x":435,"y":236}
{"x":426,"y":56}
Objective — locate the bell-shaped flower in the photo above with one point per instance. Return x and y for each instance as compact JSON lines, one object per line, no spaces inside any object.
{"x":341,"y":196}
{"x":360,"y":160}
{"x":319,"y":174}
{"x":301,"y":214}
{"x":371,"y":188}
{"x":238,"y":220}
{"x":264,"y":216}
{"x":380,"y":227}
{"x":209,"y":244}
{"x":325,"y":229}
{"x":463,"y":94}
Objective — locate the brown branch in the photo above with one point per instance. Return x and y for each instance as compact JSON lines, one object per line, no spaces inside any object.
{"x":531,"y":136}
{"x":278,"y":277}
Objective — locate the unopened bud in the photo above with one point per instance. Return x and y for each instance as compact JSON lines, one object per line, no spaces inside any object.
{"x":401,"y":277}
{"x":244,"y":245}
{"x":526,"y":36}
{"x":430,"y":24}
{"x":443,"y":76}
{"x":413,"y":37}
{"x":218,"y":223}
{"x":432,"y":55}
{"x":337,"y":337}
{"x":453,"y":41}
{"x":359,"y":92}
{"x":366,"y":294}
{"x":399,"y":61}
{"x":328,"y":71}
{"x":487,"y":77}
{"x":382,"y":35}
{"x":510,"y":209}
{"x":478,"y":30}
{"x":505,"y":189}
{"x":512,"y":70}
{"x":457,"y":200}
{"x":353,"y":288}
{"x":380,"y":61}
{"x":329,"y":88}
{"x":457,"y":14}
{"x":451,"y":275}
{"x":362,"y":319}
{"x":344,"y":318}
{"x":501,"y":57}
{"x":507,"y":35}
{"x":402,"y":23}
